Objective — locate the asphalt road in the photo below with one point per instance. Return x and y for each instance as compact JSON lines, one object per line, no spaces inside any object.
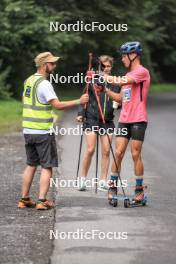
{"x":23,"y":238}
{"x":150,"y":230}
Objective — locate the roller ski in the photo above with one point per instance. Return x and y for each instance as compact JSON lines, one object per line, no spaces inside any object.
{"x":140,"y":198}
{"x":112,"y":192}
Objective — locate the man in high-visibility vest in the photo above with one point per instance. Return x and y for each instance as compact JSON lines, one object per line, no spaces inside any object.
{"x":38,"y":100}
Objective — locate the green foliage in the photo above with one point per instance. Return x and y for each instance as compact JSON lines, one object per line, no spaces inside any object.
{"x":4,"y":86}
{"x":25,"y":32}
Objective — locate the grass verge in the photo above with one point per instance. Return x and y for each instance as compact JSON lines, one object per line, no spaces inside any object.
{"x":11,"y":111}
{"x":10,"y":116}
{"x":165,"y":87}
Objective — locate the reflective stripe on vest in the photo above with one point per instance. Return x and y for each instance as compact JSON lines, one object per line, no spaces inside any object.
{"x":35,"y":114}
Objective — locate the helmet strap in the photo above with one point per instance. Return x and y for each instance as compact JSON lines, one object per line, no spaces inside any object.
{"x":131,"y":60}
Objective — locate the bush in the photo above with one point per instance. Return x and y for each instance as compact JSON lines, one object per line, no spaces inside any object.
{"x":4,"y":86}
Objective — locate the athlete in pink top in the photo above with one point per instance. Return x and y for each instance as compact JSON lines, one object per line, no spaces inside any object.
{"x":134,"y":97}
{"x":133,"y":117}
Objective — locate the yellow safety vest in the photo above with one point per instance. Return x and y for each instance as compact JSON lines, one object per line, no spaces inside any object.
{"x":35,"y":114}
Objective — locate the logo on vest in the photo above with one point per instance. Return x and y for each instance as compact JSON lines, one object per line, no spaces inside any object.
{"x":28,"y":91}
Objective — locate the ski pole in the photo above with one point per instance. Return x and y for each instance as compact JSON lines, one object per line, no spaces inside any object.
{"x":81,"y":140}
{"x":111,"y":148}
{"x":79,"y":158}
{"x":96,"y":173}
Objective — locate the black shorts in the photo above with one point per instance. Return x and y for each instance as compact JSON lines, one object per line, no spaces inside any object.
{"x":98,"y":127}
{"x":135,"y":131}
{"x":41,"y":150}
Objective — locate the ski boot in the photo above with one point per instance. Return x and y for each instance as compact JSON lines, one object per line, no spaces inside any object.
{"x":140,"y":198}
{"x":112,"y":191}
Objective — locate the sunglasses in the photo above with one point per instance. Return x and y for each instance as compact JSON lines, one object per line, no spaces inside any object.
{"x":52,"y":63}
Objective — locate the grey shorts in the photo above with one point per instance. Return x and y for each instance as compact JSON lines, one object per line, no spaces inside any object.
{"x":41,"y":150}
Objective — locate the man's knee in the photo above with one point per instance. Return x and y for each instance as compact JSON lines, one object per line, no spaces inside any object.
{"x":136,"y":154}
{"x":119,"y":154}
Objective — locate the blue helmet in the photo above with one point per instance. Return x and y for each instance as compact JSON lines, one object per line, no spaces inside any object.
{"x":131,"y":47}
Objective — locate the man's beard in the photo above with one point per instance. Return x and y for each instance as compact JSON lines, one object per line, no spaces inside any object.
{"x":49,"y":71}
